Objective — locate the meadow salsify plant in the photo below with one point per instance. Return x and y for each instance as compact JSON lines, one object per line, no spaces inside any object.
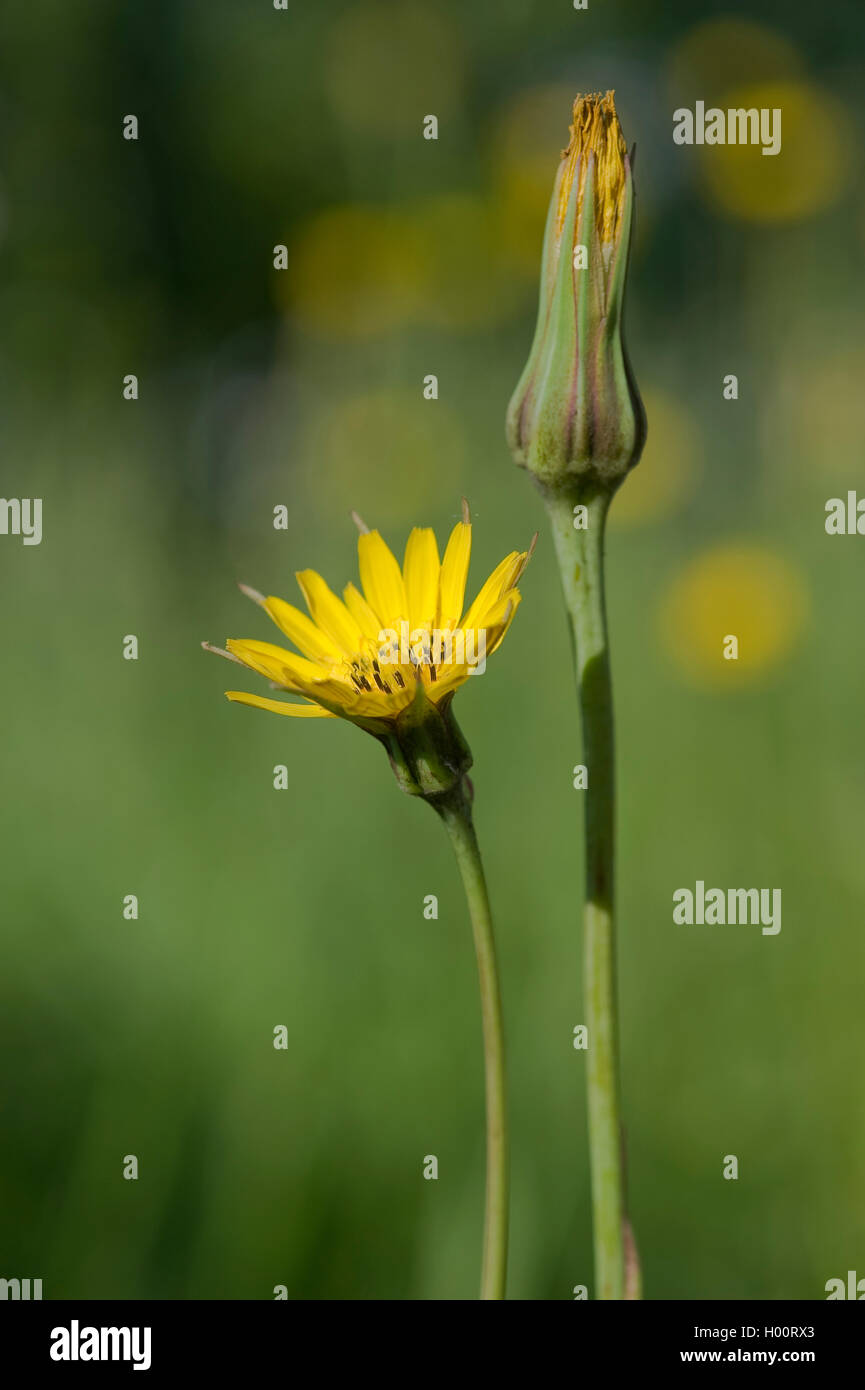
{"x":389,"y":657}
{"x":576,"y":424}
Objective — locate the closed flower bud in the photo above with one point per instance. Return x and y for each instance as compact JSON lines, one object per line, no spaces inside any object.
{"x":576,"y":413}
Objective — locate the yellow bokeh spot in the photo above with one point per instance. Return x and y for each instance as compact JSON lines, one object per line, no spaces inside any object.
{"x":666,"y":474}
{"x":728,"y":52}
{"x":389,"y":453}
{"x":744,"y":591}
{"x":813,"y":420}
{"x":354,"y":272}
{"x":808,"y":174}
{"x":357,"y":272}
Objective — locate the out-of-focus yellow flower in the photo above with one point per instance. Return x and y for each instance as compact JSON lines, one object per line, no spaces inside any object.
{"x":728,"y":52}
{"x":358,"y":271}
{"x":744,"y":591}
{"x":669,"y":466}
{"x":355,"y":271}
{"x":808,"y":174}
{"x":811,"y":388}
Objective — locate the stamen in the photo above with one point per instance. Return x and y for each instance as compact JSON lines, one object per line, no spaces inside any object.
{"x":360,"y":524}
{"x":253,"y":594}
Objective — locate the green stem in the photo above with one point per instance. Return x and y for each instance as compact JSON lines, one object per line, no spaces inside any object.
{"x":455,"y":810}
{"x":580,"y":555}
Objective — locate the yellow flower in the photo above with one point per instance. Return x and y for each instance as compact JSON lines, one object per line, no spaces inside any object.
{"x":387,"y":656}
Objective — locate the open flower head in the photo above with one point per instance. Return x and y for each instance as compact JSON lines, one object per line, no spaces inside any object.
{"x":390,"y":654}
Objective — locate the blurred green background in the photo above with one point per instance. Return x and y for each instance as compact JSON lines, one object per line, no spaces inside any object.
{"x":304,"y":907}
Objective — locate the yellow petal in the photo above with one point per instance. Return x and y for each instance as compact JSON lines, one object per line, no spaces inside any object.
{"x":363,"y":615}
{"x":302,"y":631}
{"x":498,"y":584}
{"x":298,"y":711}
{"x":499,"y":619}
{"x":276,"y":663}
{"x":447,"y":679}
{"x":333,"y":691}
{"x":421,"y":568}
{"x":381,"y":578}
{"x":455,"y":569}
{"x":329,"y":612}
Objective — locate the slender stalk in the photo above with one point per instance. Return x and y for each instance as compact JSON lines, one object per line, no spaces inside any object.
{"x":581,"y":562}
{"x":455,"y":810}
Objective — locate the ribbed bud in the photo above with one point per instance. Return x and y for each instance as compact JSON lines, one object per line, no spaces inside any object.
{"x":576,"y":412}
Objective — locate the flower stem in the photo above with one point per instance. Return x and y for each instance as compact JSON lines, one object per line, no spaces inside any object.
{"x":455,"y":811}
{"x":580,"y":555}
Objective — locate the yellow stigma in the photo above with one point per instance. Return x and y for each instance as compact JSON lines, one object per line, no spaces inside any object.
{"x":595,"y":131}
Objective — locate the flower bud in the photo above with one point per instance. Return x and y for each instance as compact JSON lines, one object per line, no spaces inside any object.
{"x":576,"y":412}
